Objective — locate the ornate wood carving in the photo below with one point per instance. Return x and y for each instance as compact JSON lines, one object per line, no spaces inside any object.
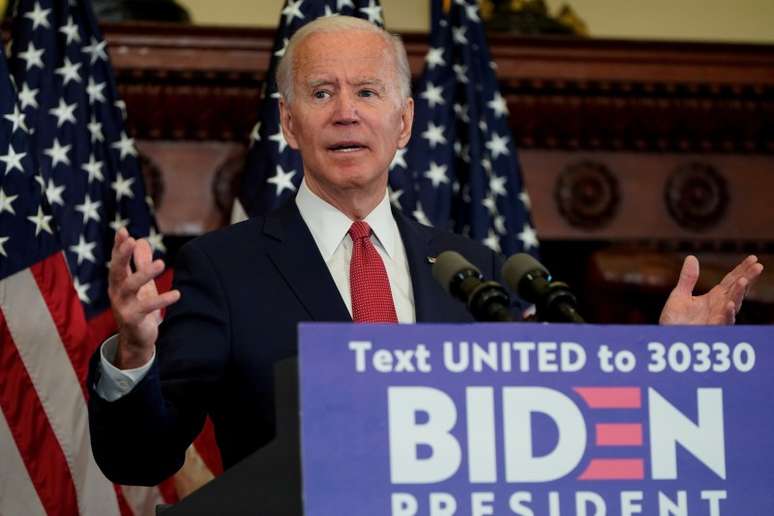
{"x":697,"y":196}
{"x":587,"y":194}
{"x":579,"y":109}
{"x":203,"y":83}
{"x":590,"y":99}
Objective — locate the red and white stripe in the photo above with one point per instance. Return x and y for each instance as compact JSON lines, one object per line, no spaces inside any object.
{"x":17,"y":493}
{"x":47,"y":463}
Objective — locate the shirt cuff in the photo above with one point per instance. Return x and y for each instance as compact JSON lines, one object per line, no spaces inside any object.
{"x":114,"y":383}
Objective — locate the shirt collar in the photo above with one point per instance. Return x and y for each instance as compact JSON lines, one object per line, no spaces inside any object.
{"x":329,"y":226}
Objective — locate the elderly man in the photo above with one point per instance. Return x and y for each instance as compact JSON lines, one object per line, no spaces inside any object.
{"x":337,"y":252}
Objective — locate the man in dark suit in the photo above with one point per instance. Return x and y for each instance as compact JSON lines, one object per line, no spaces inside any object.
{"x":337,"y":252}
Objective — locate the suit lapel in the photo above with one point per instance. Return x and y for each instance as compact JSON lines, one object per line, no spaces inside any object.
{"x":431,"y":303}
{"x":296,"y":257}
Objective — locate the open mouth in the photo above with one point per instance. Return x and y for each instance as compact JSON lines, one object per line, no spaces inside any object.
{"x":345,"y":147}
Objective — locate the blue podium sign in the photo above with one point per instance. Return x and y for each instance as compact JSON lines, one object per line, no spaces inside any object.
{"x":529,"y":419}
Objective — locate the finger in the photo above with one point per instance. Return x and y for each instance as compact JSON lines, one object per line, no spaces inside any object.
{"x":141,"y":308}
{"x":143,"y":254}
{"x":745,"y":268}
{"x":119,"y":261}
{"x":725,"y":315}
{"x":737,"y":292}
{"x":689,"y":275}
{"x":136,"y":280}
{"x":730,"y":313}
{"x":121,"y":235}
{"x":159,"y":302}
{"x":754,"y":272}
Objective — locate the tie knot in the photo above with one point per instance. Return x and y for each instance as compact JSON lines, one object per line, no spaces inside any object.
{"x":359,"y":230}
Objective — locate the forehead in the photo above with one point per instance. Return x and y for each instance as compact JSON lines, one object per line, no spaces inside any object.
{"x":348,"y":53}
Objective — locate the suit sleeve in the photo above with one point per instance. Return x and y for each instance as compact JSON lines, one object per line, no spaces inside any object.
{"x":142,"y":437}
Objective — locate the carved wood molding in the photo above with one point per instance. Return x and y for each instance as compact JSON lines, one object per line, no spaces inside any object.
{"x":658,"y":145}
{"x":203,"y":83}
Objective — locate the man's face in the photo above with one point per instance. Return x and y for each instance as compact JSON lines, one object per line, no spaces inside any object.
{"x":346,"y":115}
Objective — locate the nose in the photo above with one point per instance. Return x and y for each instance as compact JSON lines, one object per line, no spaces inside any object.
{"x":346,"y":109}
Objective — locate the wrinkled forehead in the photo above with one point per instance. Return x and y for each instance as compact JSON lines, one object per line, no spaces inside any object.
{"x":348,"y":54}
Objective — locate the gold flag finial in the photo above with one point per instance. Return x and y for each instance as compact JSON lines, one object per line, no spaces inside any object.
{"x":446,"y":6}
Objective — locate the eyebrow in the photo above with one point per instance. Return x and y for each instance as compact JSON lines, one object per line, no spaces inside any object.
{"x":376,"y":84}
{"x":318,"y":82}
{"x":366,"y":81}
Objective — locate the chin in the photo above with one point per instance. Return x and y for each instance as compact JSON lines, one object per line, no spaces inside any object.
{"x":354,"y":178}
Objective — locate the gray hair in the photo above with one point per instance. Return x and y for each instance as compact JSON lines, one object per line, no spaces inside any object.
{"x":339,"y":23}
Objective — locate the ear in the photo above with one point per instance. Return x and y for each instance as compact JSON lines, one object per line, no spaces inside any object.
{"x":286,"y":121}
{"x":406,"y":122}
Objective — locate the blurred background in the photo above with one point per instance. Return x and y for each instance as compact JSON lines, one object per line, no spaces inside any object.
{"x":613,"y":138}
{"x":644,"y":130}
{"x":680,"y":20}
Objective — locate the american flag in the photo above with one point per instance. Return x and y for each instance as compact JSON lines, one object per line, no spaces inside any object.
{"x":88,"y":162}
{"x":38,"y":361}
{"x":44,"y":446}
{"x":460,"y":170}
{"x":274,"y":170}
{"x":85,"y":169}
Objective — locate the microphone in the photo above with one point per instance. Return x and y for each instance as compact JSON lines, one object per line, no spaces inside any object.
{"x":554,"y":302}
{"x":486,"y":300}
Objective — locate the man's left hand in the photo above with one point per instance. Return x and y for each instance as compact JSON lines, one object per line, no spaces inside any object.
{"x":718,"y":306}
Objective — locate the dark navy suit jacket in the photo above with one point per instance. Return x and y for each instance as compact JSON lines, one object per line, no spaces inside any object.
{"x":244,"y":290}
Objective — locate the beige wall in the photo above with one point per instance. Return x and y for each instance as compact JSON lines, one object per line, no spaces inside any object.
{"x":400,"y":15}
{"x":718,"y":20}
{"x":713,"y":20}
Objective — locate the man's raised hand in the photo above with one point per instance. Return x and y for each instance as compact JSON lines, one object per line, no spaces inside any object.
{"x":718,"y":306}
{"x":135,"y":301}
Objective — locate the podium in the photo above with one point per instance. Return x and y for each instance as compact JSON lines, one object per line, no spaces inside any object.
{"x":481,"y":419}
{"x":268,"y":482}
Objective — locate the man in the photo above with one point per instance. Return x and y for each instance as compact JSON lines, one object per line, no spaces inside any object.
{"x":240,"y":292}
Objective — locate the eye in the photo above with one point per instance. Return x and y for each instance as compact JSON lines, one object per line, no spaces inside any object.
{"x":321,"y":94}
{"x":367,"y":93}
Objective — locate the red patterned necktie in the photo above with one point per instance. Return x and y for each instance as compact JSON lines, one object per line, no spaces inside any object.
{"x":368,"y":283}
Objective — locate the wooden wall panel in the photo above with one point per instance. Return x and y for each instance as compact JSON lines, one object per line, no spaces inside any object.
{"x":603,"y":127}
{"x":638,"y":196}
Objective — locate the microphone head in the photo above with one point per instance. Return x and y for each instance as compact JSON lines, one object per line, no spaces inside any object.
{"x":518,"y":266}
{"x":449,"y":264}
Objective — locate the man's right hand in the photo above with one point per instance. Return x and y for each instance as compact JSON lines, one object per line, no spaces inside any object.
{"x":135,"y":300}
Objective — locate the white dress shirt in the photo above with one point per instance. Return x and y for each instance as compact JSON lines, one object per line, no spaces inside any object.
{"x":329,"y":228}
